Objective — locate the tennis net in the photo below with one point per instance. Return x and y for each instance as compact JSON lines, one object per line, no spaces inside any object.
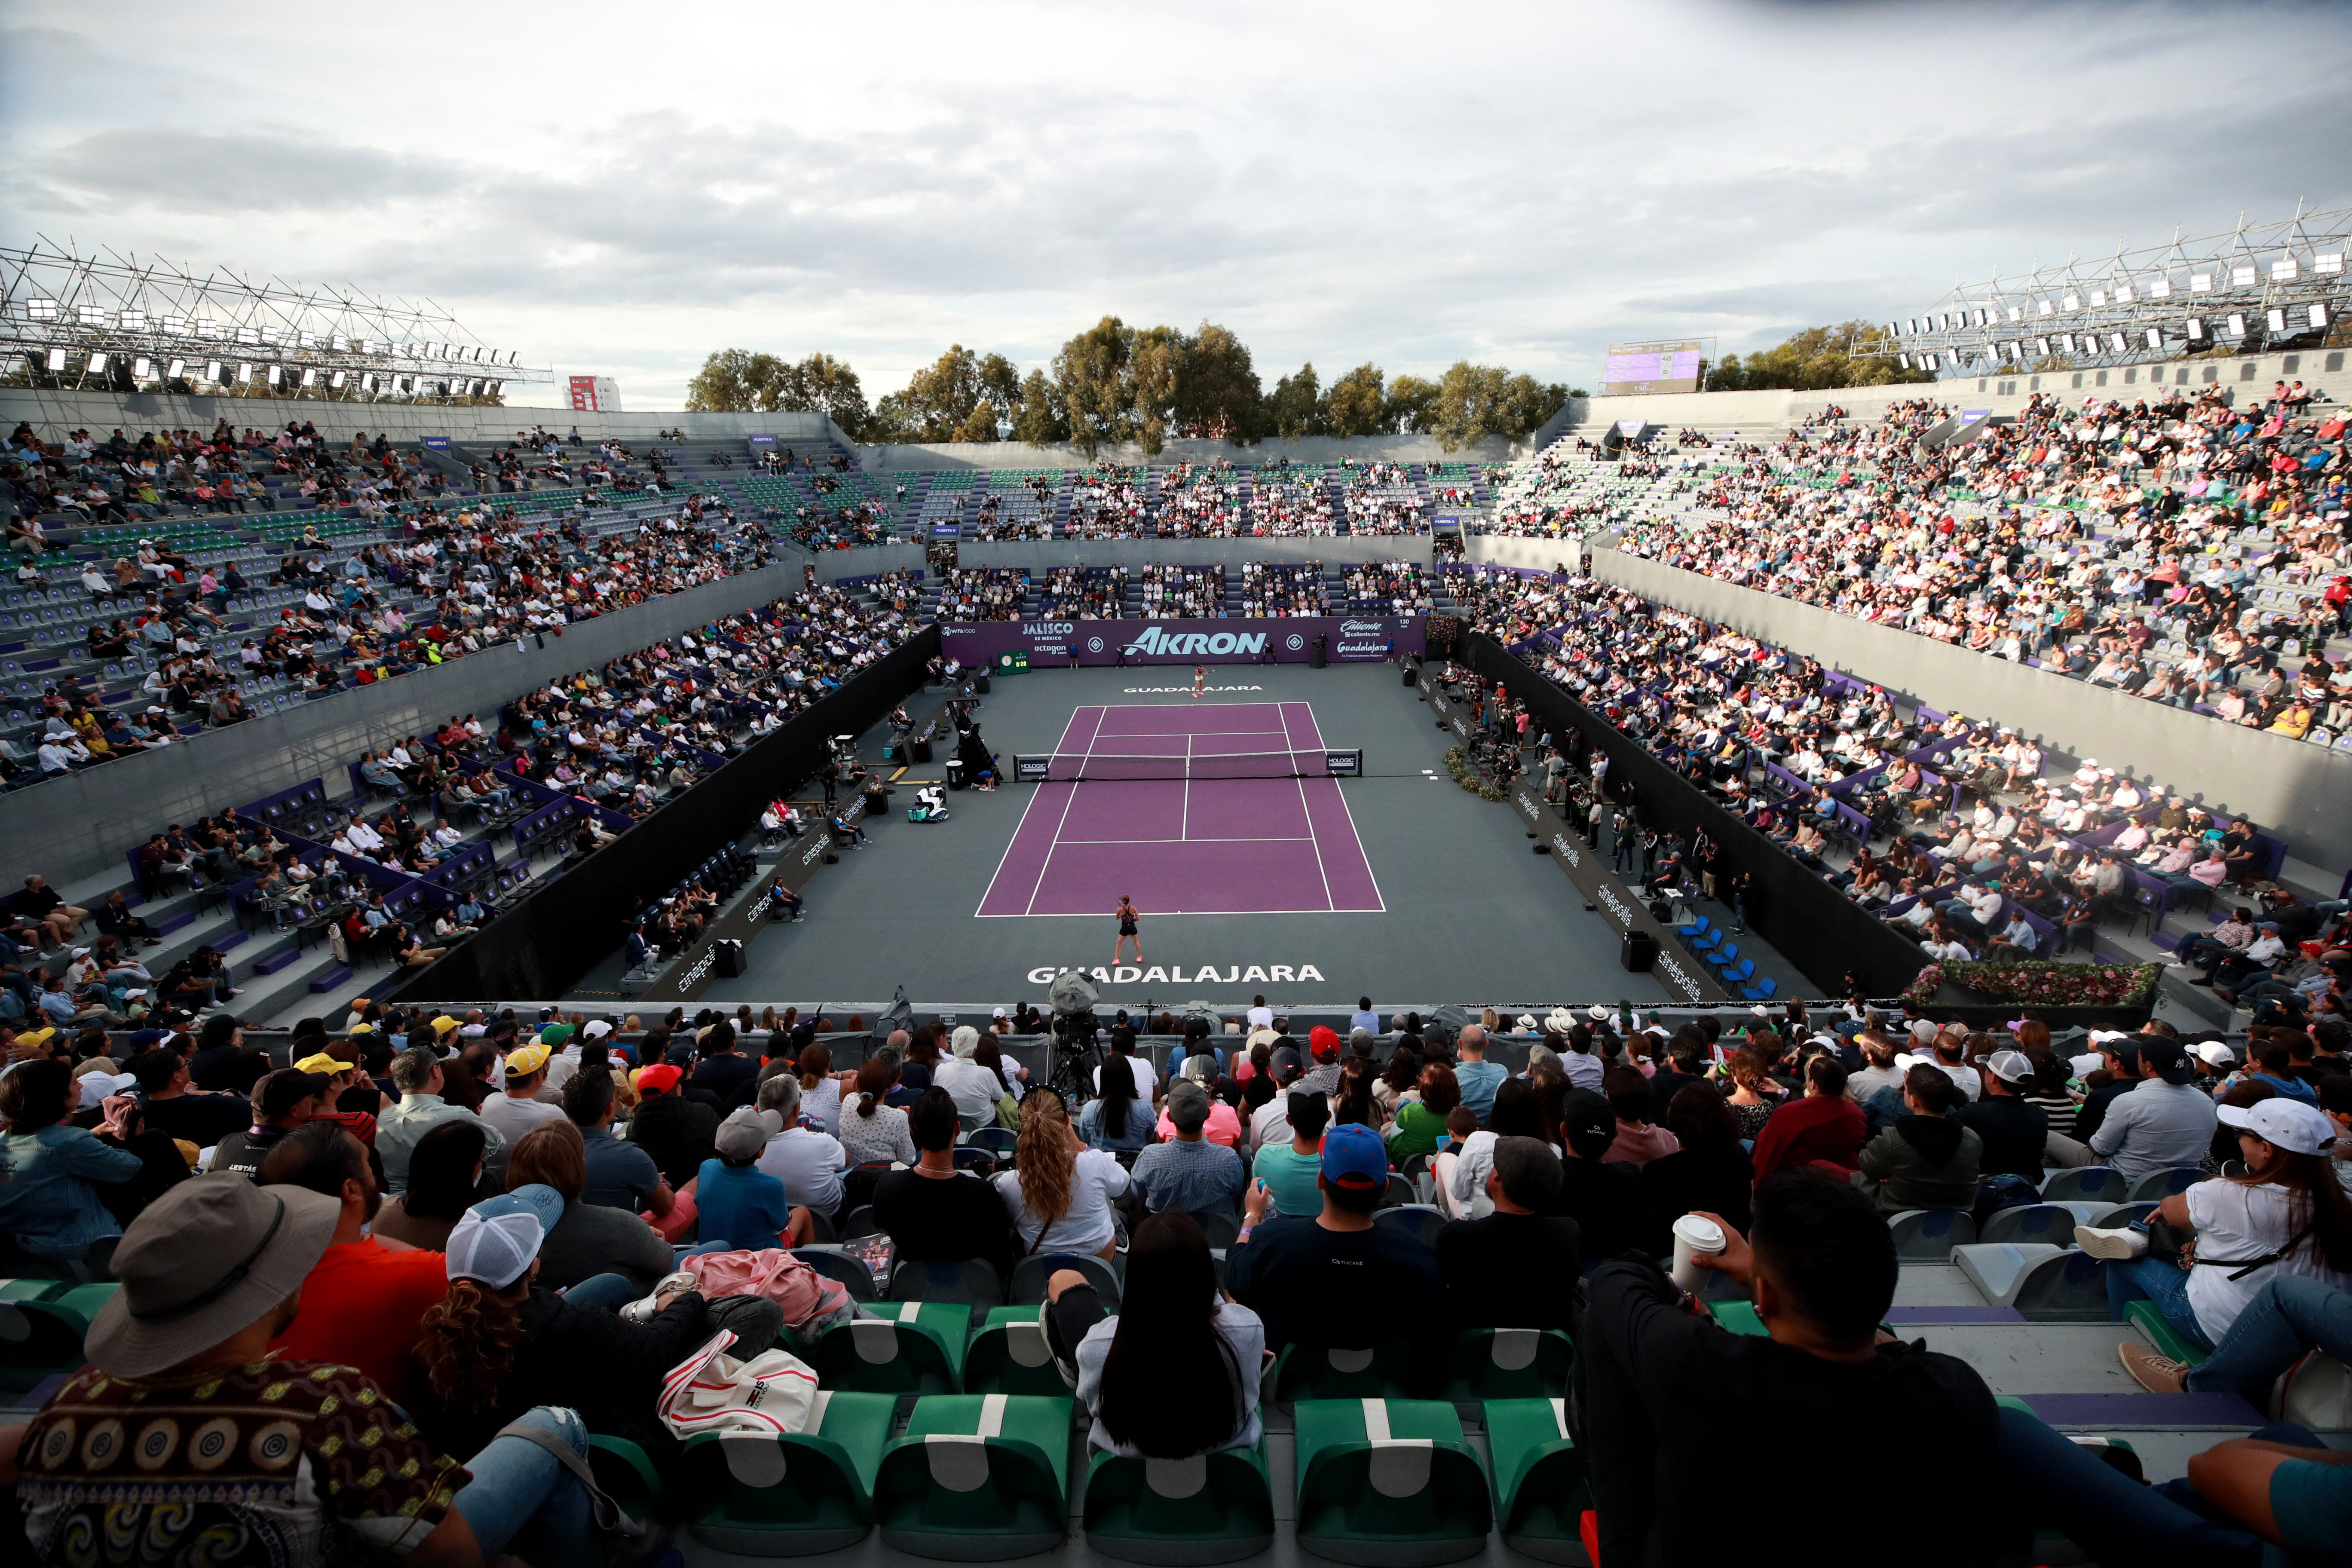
{"x":1076,"y":767}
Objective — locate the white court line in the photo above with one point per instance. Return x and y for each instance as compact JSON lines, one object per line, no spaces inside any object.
{"x":1184,"y":821}
{"x":1319,"y":871}
{"x":1167,"y":914}
{"x":1023,"y":823}
{"x":1048,"y":863}
{"x":1361,"y":852}
{"x":1296,"y":838}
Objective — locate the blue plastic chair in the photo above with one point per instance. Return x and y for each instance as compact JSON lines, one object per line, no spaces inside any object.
{"x":1695,"y":930}
{"x":1762,"y":991}
{"x":1741,"y":975}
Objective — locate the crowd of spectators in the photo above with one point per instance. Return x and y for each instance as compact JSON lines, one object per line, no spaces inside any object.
{"x":1190,"y":591}
{"x":1282,"y":588}
{"x":452,"y":585}
{"x":430,"y":1227}
{"x":983,"y":593}
{"x":1084,"y":592}
{"x":1390,"y":588}
{"x":2178,"y":547}
{"x":1986,"y":812}
{"x":1108,"y":502}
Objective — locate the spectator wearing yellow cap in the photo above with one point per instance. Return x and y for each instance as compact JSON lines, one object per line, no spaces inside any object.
{"x":516,"y":1109}
{"x":342,"y":1077}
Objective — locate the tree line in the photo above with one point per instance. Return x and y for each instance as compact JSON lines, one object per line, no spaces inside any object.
{"x":1816,"y":359}
{"x":1114,"y":384}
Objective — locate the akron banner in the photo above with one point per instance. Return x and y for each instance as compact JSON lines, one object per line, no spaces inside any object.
{"x":1345,"y":639}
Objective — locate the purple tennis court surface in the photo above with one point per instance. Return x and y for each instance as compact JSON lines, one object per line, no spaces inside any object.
{"x":1198,"y":847}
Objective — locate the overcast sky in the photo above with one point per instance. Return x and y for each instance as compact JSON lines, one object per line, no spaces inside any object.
{"x":620,"y":190}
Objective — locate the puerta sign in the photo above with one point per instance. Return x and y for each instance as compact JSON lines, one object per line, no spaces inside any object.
{"x":1683,"y":980}
{"x":1347,"y":639}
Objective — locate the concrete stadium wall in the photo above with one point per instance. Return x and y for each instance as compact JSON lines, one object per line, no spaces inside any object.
{"x":866,"y":561}
{"x":1535,"y":554}
{"x":80,"y":825}
{"x":2290,"y":788}
{"x":1040,"y":555}
{"x":1061,"y":455}
{"x":2252,"y":375}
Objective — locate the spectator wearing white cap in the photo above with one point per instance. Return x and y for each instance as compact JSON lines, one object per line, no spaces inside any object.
{"x":2286,"y":1216}
{"x":974,"y":1088}
{"x":2015,"y":1132}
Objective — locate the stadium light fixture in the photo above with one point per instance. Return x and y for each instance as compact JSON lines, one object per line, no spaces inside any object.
{"x":2328,"y":266}
{"x":2242,"y":277}
{"x":2015,"y":314}
{"x":2072,"y":302}
{"x":142,"y":368}
{"x":2117,"y":342}
{"x":212,"y":372}
{"x":2200,"y":283}
{"x":2278,"y":322}
{"x":176,"y":326}
{"x":1930,"y":361}
{"x":97,"y":365}
{"x":40,"y":309}
{"x":57,"y":359}
{"x":2195,"y":329}
{"x":2319,"y":316}
{"x":339,"y":380}
{"x":2041,"y":348}
{"x":133,"y":321}
{"x":2098,"y":298}
{"x":2237,"y":325}
{"x":367,"y":384}
{"x":91,"y":315}
{"x":179,"y":368}
{"x":2123,"y":294}
{"x":2159,"y":287}
{"x":2283,"y":271}
{"x":310,"y":378}
{"x":2155,"y":337}
{"x":1902,"y":360}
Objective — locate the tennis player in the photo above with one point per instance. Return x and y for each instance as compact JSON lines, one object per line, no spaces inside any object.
{"x":1127,"y":917}
{"x":1200,"y":677}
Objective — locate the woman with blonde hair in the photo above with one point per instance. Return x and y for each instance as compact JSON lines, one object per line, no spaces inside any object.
{"x":1059,"y":1192}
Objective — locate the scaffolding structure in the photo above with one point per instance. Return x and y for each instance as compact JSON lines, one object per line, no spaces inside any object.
{"x":122,"y":323}
{"x":2256,"y":287}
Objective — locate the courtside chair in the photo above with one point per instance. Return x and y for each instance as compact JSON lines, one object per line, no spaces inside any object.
{"x":1762,"y":991}
{"x":977,"y":1479}
{"x":788,"y":1495}
{"x":1389,"y":1483}
{"x":1213,"y":1507}
{"x":907,"y":1347}
{"x":1541,"y":1492}
{"x":1737,"y":976}
{"x":1693,"y":932}
{"x":1723,"y":957}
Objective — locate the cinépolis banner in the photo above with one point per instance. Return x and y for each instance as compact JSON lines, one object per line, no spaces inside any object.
{"x":1347,"y":639}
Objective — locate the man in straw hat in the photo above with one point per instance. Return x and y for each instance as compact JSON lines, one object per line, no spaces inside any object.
{"x":186,"y":1435}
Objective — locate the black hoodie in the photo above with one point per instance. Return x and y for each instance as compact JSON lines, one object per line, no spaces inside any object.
{"x":1924,"y":1163}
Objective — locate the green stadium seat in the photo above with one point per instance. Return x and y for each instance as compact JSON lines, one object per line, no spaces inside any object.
{"x":907,"y":1347}
{"x":1388,"y":1483}
{"x":1541,"y":1492}
{"x":2149,"y":1320}
{"x":977,"y":1479}
{"x":1507,"y":1363}
{"x":1215,"y":1508}
{"x":1008,"y":1354}
{"x":1383,"y":1372}
{"x":625,"y":1473}
{"x":42,"y":1325}
{"x":793,"y":1494}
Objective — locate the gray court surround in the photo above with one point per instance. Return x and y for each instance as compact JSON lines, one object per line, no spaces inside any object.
{"x":1470,"y":913}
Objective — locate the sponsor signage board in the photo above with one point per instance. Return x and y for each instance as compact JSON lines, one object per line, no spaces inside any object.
{"x":1348,"y":639}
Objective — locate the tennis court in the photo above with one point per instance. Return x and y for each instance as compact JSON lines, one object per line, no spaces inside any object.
{"x":1219,"y":808}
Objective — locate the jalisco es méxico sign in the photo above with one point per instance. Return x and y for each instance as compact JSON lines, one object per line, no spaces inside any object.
{"x":1348,"y":639}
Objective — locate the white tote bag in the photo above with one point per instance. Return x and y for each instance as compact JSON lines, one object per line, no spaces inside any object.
{"x":712,"y":1391}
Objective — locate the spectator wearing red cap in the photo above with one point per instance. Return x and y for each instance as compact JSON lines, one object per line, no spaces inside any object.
{"x":1323,"y":1078}
{"x":679,"y":1133}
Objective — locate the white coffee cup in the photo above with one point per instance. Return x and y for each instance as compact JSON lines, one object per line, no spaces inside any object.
{"x":1694,"y":1236}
